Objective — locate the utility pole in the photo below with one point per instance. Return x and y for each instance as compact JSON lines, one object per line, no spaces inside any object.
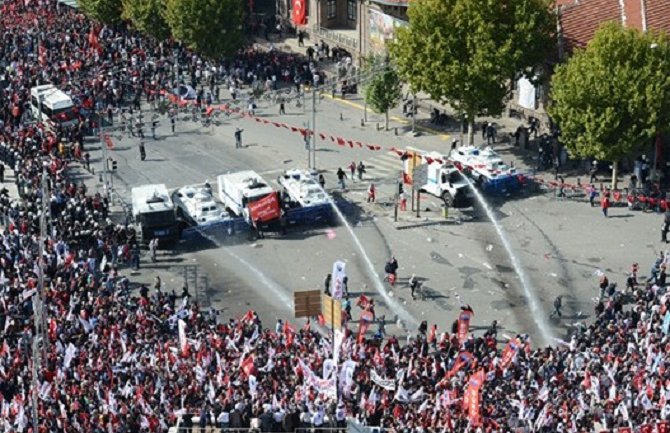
{"x":103,"y":145}
{"x":308,"y":145}
{"x":313,"y":143}
{"x":413,"y":113}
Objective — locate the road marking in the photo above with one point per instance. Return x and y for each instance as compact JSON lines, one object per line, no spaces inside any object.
{"x":442,"y":136}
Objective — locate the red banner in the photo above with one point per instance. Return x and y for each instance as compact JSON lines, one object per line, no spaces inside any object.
{"x":464,"y":325}
{"x":299,"y":12}
{"x":471,"y":398}
{"x":463,"y":359}
{"x":508,"y":353}
{"x":265,"y":209}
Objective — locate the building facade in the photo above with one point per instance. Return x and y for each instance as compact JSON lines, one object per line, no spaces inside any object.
{"x":359,"y":26}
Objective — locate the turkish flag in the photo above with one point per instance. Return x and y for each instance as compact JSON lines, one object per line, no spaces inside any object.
{"x":663,"y":427}
{"x":299,"y":12}
{"x":247,"y":366}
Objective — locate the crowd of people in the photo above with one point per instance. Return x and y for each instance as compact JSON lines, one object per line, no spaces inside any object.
{"x":120,"y":360}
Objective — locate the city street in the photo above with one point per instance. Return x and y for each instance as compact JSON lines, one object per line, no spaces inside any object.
{"x":462,"y":257}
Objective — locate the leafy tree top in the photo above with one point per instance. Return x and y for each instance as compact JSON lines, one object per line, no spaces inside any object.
{"x":464,"y":52}
{"x":210,"y":27}
{"x":612,"y":97}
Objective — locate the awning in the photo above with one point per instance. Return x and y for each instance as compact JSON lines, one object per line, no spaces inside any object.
{"x":392,"y":2}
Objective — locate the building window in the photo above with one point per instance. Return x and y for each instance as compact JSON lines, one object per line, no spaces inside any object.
{"x":351,"y":10}
{"x":332,"y":9}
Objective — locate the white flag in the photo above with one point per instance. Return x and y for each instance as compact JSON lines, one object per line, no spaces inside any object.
{"x":337,"y":281}
{"x":69,"y":355}
{"x":338,"y":337}
{"x":328,"y":368}
{"x":183,"y":344}
{"x":253,"y":384}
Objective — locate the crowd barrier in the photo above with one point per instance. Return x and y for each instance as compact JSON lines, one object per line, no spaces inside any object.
{"x":633,"y":198}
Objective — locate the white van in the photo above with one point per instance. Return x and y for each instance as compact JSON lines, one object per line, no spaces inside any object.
{"x":237,"y":190}
{"x":48,"y":104}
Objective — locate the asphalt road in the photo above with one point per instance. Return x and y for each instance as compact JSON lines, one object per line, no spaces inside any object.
{"x":559,"y":244}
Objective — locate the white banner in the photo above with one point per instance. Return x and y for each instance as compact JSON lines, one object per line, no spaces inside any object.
{"x":329,"y":367}
{"x":526,"y":93}
{"x":337,"y":281}
{"x":388,"y":384}
{"x":325,"y":387}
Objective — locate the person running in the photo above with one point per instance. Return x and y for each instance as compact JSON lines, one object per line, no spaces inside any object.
{"x":361,"y":170}
{"x":341,"y":176}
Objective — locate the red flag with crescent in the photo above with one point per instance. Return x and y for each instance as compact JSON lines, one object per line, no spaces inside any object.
{"x":298,"y":13}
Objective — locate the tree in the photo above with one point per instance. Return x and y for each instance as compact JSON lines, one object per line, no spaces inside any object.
{"x":105,"y":11}
{"x":465,"y":52}
{"x":383,"y":91}
{"x":613,"y":97}
{"x":210,"y":27}
{"x":147,"y":17}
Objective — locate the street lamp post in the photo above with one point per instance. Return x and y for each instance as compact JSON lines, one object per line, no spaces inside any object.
{"x":313,"y":142}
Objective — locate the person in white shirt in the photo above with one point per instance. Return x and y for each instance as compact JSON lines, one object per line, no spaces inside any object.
{"x":223,"y":420}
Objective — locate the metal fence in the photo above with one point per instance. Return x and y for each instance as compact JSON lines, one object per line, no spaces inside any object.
{"x":335,"y":36}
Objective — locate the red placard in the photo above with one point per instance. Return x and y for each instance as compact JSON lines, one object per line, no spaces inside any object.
{"x":663,"y":427}
{"x":646,"y":428}
{"x":265,"y":209}
{"x":299,"y":12}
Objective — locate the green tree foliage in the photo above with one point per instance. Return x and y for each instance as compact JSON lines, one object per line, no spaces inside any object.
{"x":147,"y":17}
{"x":465,"y":52}
{"x":210,"y":27}
{"x":105,"y":11}
{"x":383,"y":90}
{"x":613,"y":97}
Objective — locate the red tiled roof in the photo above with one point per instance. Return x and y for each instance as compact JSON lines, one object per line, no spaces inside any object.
{"x":579,"y":21}
{"x":581,"y":18}
{"x":658,"y":14}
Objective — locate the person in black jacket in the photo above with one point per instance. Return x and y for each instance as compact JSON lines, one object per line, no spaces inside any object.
{"x":665,"y":227}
